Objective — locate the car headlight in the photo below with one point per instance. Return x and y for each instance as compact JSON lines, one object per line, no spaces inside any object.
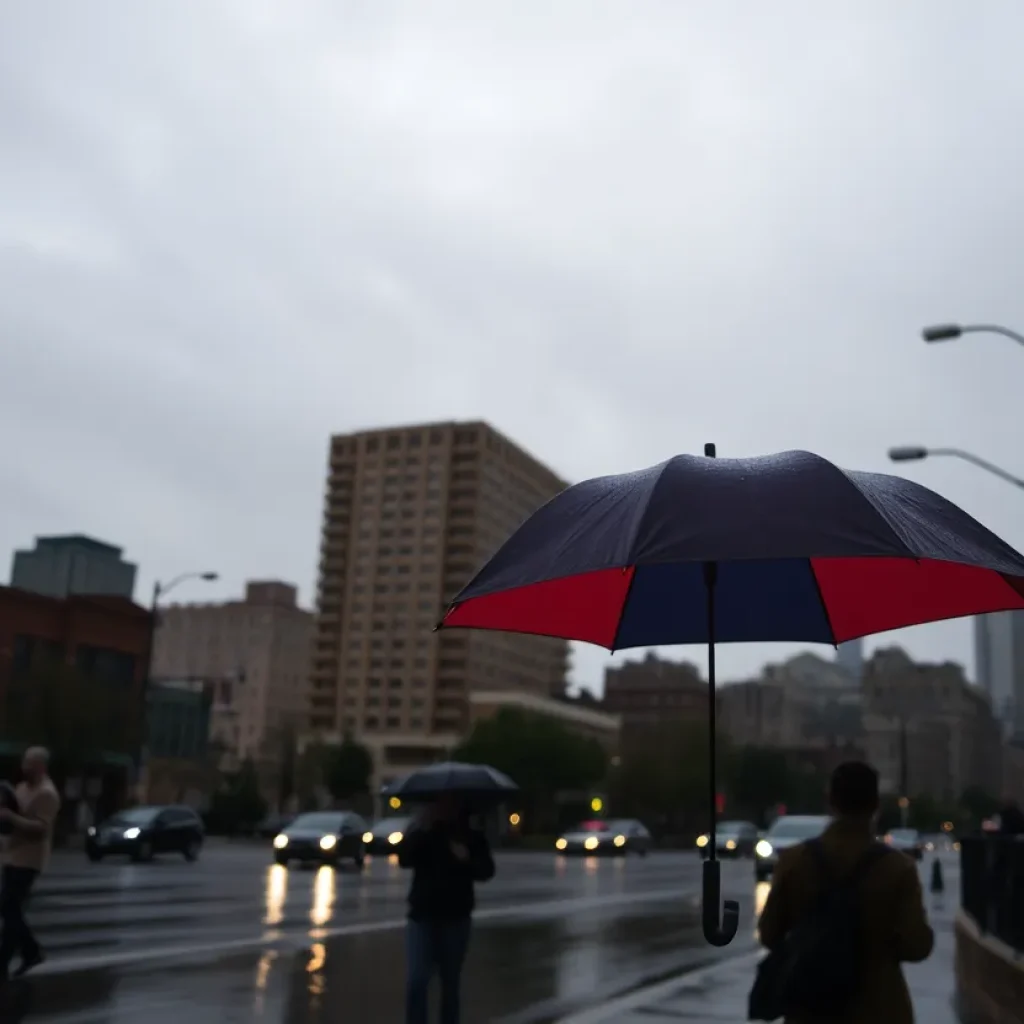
{"x":328,"y":842}
{"x":280,"y":842}
{"x":560,"y":844}
{"x":763,"y":848}
{"x":702,"y":841}
{"x":395,"y":838}
{"x":730,"y":844}
{"x":619,"y":840}
{"x":367,"y":837}
{"x":592,"y":843}
{"x":132,"y":833}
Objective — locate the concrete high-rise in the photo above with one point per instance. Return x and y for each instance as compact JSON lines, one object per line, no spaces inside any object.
{"x":999,"y":666}
{"x":73,"y":564}
{"x":254,"y":655}
{"x":410,"y":514}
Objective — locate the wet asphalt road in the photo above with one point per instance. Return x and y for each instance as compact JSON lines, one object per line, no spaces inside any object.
{"x":234,"y":938}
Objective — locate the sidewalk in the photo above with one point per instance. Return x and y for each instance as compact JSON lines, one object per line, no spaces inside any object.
{"x":719,"y":992}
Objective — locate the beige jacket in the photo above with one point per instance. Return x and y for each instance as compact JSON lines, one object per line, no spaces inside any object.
{"x":36,"y":804}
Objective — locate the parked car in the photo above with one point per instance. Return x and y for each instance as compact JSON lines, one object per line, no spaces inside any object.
{"x":386,"y":835}
{"x":322,"y":837}
{"x":732,"y":839}
{"x":143,"y":832}
{"x":907,"y":840}
{"x":787,"y":831}
{"x":615,"y":838}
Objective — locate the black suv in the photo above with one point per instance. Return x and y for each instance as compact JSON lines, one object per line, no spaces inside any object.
{"x":142,"y":832}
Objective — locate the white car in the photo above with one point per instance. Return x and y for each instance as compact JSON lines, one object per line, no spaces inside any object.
{"x":789,"y":830}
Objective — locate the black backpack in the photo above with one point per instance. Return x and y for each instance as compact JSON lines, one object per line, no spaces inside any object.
{"x":817,"y":970}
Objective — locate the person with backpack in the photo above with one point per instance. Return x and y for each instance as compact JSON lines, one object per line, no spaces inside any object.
{"x":844,"y":912}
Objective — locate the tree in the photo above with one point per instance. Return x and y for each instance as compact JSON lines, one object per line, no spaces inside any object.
{"x":540,"y":754}
{"x":239,"y":805}
{"x":349,"y":768}
{"x":662,"y":777}
{"x":759,"y":778}
{"x":977,"y":804}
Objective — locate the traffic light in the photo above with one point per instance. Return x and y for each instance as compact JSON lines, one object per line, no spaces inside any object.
{"x":597,"y":805}
{"x":720,"y":803}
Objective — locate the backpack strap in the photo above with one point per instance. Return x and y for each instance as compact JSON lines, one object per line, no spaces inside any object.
{"x":875,"y":852}
{"x":864,"y":864}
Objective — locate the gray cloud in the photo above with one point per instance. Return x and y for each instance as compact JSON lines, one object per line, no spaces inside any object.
{"x":616,"y":231}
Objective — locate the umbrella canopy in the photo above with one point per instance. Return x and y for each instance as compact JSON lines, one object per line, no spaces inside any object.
{"x":470,"y":780}
{"x":805,"y":551}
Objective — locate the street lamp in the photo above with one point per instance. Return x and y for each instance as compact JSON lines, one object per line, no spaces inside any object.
{"x":950,"y":332}
{"x":914,"y":453}
{"x":160,"y":590}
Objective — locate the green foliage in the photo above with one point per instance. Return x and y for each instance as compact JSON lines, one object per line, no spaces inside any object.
{"x":978,"y":805}
{"x":540,"y":754}
{"x":759,"y":778}
{"x":348,"y":769}
{"x":238,"y":806}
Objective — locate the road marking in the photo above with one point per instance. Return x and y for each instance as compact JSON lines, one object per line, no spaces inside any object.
{"x":276,"y":941}
{"x":663,"y":990}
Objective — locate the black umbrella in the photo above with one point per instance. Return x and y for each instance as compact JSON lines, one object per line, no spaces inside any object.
{"x":9,"y":802}
{"x":477,"y":781}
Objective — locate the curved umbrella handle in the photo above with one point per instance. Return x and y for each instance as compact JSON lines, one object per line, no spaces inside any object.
{"x":717,"y":934}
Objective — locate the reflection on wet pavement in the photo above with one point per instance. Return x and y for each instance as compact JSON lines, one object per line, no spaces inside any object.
{"x":551,"y":936}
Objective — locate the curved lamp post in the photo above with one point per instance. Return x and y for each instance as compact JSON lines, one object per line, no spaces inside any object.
{"x":914,"y":453}
{"x":160,"y":590}
{"x":950,"y":332}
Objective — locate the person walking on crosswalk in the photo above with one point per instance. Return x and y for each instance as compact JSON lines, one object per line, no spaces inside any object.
{"x":26,"y":855}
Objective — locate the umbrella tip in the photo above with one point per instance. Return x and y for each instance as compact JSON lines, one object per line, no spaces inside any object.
{"x":709,"y":450}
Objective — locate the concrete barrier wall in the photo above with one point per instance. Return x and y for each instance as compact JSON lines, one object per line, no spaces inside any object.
{"x":989,"y":977}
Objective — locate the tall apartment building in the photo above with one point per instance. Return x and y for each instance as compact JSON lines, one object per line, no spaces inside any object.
{"x":74,"y":564}
{"x":999,"y":666}
{"x":803,"y":703}
{"x":647,"y":693}
{"x":410,"y":514}
{"x":953,"y":739}
{"x":254,"y":654}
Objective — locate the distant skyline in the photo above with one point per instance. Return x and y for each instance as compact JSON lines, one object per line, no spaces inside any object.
{"x":615,"y":232}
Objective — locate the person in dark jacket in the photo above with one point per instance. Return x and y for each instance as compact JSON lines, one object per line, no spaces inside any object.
{"x":447,"y":858}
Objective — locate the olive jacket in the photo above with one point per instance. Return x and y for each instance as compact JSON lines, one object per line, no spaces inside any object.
{"x":894,"y":922}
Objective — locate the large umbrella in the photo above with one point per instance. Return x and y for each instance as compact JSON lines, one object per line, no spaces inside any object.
{"x":478,"y":782}
{"x":699,"y":550}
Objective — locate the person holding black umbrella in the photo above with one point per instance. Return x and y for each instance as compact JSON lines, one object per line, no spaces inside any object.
{"x":447,"y":857}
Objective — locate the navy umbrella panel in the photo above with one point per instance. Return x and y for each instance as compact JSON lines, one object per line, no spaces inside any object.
{"x":805,"y":552}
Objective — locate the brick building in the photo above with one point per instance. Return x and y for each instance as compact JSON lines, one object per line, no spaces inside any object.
{"x":953,"y":739}
{"x":98,"y":646}
{"x":647,"y":693}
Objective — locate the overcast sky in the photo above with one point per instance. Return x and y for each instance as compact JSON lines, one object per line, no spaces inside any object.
{"x":616,"y":230}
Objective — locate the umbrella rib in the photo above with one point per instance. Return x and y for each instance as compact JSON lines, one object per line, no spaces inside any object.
{"x":821,"y":599}
{"x":625,"y":603}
